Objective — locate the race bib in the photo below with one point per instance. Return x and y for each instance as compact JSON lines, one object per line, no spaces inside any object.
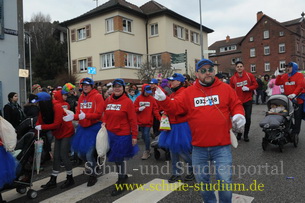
{"x":242,"y":83}
{"x":114,"y":107}
{"x":87,"y":105}
{"x":147,"y":104}
{"x":206,"y":101}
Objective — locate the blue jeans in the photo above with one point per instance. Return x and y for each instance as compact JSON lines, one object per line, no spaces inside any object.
{"x":91,"y":161}
{"x":221,"y":158}
{"x":146,"y":136}
{"x":177,"y":167}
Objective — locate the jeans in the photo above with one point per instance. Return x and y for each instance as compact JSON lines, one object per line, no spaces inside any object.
{"x":221,"y":158}
{"x":91,"y":161}
{"x":259,"y":93}
{"x":177,"y":167}
{"x":146,"y":136}
{"x":248,"y":111}
{"x":61,"y":152}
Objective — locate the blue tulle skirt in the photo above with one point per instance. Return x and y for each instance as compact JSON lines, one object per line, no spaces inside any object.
{"x":7,"y":167}
{"x":178,"y":139}
{"x":85,"y":138}
{"x":121,"y":147}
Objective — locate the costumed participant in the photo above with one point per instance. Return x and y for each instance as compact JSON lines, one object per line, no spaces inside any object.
{"x":121,"y":122}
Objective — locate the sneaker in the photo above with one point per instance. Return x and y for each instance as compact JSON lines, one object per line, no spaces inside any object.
{"x":189,"y":177}
{"x":146,"y":155}
{"x":91,"y":181}
{"x":174,"y":178}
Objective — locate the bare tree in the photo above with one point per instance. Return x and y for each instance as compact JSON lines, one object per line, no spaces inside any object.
{"x":147,"y":71}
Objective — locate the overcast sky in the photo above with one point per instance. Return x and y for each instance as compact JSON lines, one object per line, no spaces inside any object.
{"x":226,"y":17}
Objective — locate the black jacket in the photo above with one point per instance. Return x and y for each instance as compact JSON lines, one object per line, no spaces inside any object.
{"x":13,"y":113}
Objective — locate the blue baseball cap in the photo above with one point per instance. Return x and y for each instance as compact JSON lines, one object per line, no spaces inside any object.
{"x":154,"y":81}
{"x":119,"y":81}
{"x":41,"y":96}
{"x":147,"y":89}
{"x":203,"y":62}
{"x":177,"y":76}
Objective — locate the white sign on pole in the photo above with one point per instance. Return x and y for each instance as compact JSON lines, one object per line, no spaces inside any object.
{"x":23,"y":73}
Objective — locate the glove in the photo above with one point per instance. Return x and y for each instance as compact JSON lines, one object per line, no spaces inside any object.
{"x":291,"y":96}
{"x":238,"y":121}
{"x":68,"y":117}
{"x":38,"y":127}
{"x":245,"y":88}
{"x":278,"y":72}
{"x":159,"y":95}
{"x":82,"y":115}
{"x":141,"y":108}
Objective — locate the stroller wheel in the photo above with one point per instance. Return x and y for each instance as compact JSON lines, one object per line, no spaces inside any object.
{"x":32,"y":194}
{"x":157,"y":154}
{"x":296,"y":140}
{"x":21,"y":190}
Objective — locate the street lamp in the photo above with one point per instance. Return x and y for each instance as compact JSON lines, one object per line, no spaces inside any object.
{"x":30,"y":57}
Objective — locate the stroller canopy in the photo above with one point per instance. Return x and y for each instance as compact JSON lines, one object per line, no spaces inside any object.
{"x":280,"y":99}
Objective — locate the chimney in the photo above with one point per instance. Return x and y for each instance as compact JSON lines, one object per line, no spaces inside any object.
{"x":227,"y":38}
{"x":259,"y":15}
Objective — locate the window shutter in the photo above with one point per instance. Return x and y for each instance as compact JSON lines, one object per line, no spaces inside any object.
{"x":89,"y":61}
{"x":175,"y":30}
{"x":186,"y":34}
{"x":88,"y":31}
{"x":74,"y":66}
{"x":73,"y":35}
{"x":192,"y":36}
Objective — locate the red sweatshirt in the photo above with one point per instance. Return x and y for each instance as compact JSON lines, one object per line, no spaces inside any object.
{"x":292,"y":85}
{"x":60,"y":128}
{"x":92,"y":104}
{"x":175,"y":118}
{"x":248,"y":80}
{"x":208,"y":112}
{"x":120,"y":116}
{"x":145,"y":118}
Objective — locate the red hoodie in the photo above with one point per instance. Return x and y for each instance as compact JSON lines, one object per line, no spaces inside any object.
{"x":92,"y":104}
{"x":208,"y":112}
{"x":292,"y":85}
{"x":248,"y":80}
{"x":175,"y":118}
{"x":60,"y":128}
{"x":120,"y":116}
{"x":146,"y":117}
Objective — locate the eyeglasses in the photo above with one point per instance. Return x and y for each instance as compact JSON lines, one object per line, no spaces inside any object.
{"x":203,"y":70}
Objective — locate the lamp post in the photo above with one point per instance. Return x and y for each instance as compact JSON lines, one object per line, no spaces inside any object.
{"x":201,"y":35}
{"x":30,"y":57}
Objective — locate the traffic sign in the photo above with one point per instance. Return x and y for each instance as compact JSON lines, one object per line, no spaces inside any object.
{"x":91,"y":70}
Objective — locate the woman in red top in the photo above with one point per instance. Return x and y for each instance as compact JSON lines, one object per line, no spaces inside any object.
{"x":121,"y":122}
{"x":50,"y":118}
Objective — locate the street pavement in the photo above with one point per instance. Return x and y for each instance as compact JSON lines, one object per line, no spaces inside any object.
{"x":277,"y":175}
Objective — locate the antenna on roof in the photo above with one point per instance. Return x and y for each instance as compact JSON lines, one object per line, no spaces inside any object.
{"x":96,"y":2}
{"x":302,"y":14}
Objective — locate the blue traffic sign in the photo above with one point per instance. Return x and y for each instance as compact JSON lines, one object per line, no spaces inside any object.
{"x":91,"y":70}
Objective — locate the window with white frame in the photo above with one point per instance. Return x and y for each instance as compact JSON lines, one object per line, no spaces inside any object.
{"x":267,"y":66}
{"x":127,"y":25}
{"x":228,"y":48}
{"x":251,"y":39}
{"x":156,"y":61}
{"x":282,"y":64}
{"x":281,"y":33}
{"x":133,"y":60}
{"x":282,"y":48}
{"x":180,"y":31}
{"x":266,"y":50}
{"x":109,"y":25}
{"x":195,"y":37}
{"x":266,"y":34}
{"x":253,"y":68}
{"x":154,"y":29}
{"x":81,"y":34}
{"x":107,"y":60}
{"x":252,"y":52}
{"x":82,"y":64}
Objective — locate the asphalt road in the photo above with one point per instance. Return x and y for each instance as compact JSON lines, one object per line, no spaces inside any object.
{"x":277,"y":175}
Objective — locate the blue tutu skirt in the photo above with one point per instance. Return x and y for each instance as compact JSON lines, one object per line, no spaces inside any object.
{"x":121,"y":147}
{"x":85,"y":138}
{"x":7,"y":167}
{"x":178,"y":139}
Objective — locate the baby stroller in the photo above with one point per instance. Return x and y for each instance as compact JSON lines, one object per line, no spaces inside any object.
{"x":25,"y":155}
{"x":157,"y":154}
{"x":278,"y":122}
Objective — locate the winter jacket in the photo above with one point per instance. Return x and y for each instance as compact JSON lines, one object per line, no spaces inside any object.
{"x":293,"y":84}
{"x":13,"y":113}
{"x":274,"y":88}
{"x":92,"y":104}
{"x":208,"y":111}
{"x":120,"y":116}
{"x":145,"y":118}
{"x":248,"y":80}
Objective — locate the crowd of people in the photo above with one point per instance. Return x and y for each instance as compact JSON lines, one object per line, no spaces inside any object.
{"x":200,"y":113}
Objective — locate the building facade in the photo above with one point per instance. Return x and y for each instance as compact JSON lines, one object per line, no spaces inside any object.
{"x":118,"y":37}
{"x":267,"y":46}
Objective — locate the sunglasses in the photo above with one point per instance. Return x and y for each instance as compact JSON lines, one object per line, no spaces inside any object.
{"x":210,"y":70}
